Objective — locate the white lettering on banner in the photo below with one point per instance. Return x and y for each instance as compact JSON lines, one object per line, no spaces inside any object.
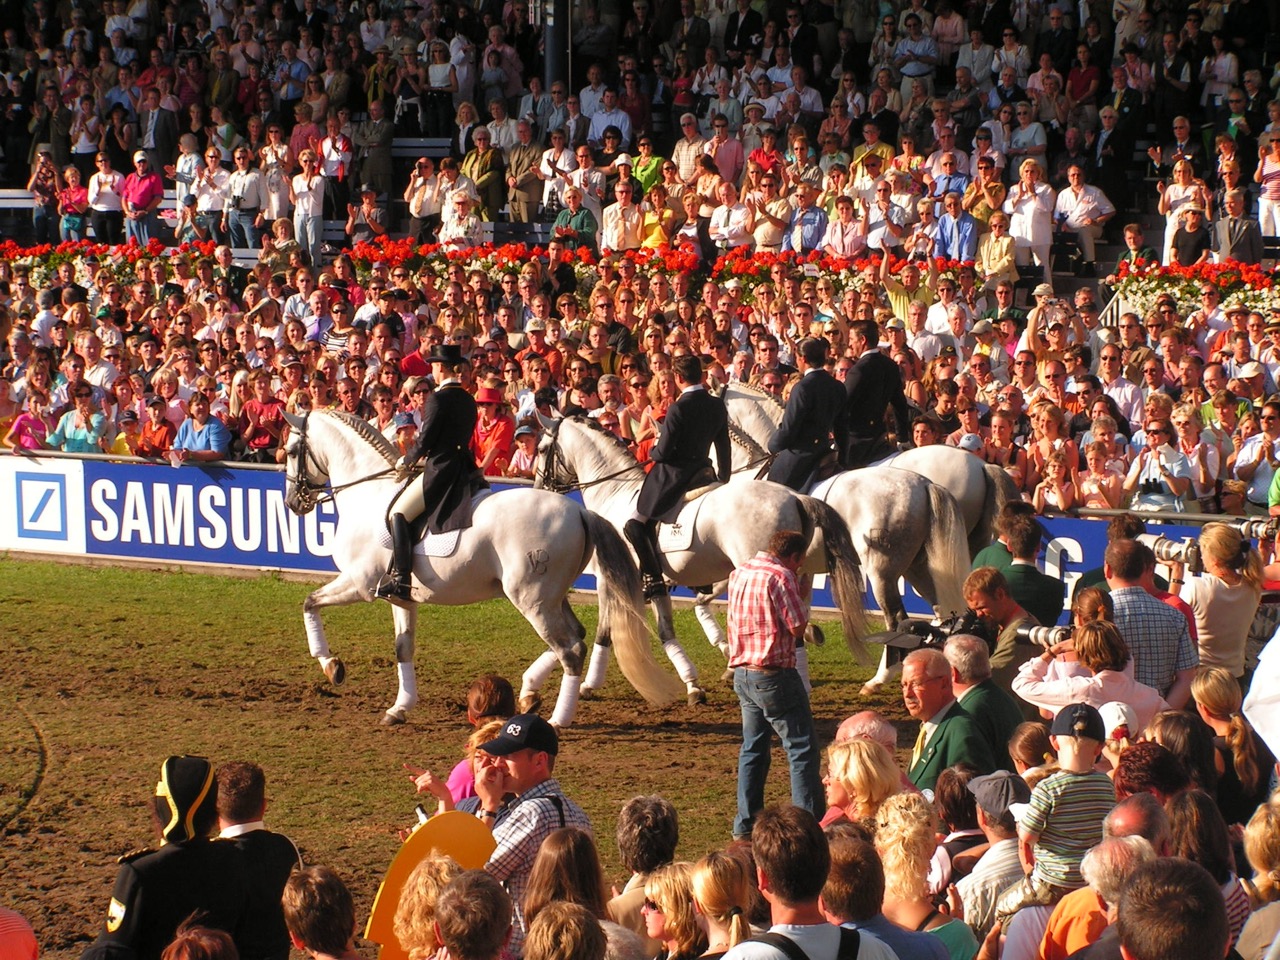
{"x":174,"y":514}
{"x":213,"y":535}
{"x":107,"y":525}
{"x":255,"y":519}
{"x":1060,"y":552}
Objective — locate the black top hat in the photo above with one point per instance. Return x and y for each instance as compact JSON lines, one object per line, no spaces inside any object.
{"x":447,"y":353}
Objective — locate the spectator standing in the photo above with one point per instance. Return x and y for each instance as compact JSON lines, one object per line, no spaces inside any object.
{"x":140,"y":197}
{"x":994,"y":712}
{"x":999,"y":867}
{"x":766,"y":618}
{"x":269,"y":858}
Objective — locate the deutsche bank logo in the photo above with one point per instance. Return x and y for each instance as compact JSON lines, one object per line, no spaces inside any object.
{"x":42,"y":506}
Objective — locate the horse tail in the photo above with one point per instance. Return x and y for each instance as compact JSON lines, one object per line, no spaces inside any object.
{"x":948,"y":550}
{"x":622,"y":607}
{"x":1000,"y":490}
{"x":845,"y":571}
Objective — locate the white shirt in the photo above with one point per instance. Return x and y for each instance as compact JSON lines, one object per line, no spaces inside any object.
{"x":1089,"y":204}
{"x":729,"y":225}
{"x":310,"y":196}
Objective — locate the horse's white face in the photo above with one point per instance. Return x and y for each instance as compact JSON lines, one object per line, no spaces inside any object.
{"x":301,"y":478}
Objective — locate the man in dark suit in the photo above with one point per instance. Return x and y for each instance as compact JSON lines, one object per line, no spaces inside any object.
{"x":691,"y":32}
{"x":158,"y":131}
{"x":948,"y":734}
{"x":1235,"y":236}
{"x":995,"y":713}
{"x":693,"y":423}
{"x":872,"y":384}
{"x":1126,"y":102}
{"x":991,"y":18}
{"x":1172,"y":79}
{"x":1038,"y":593}
{"x":816,"y":410}
{"x":1183,"y":147}
{"x":442,"y":497}
{"x":744,"y":30}
{"x":269,"y":858}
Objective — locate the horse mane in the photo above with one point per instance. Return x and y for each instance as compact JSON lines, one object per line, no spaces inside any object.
{"x":591,"y":423}
{"x":749,"y":392}
{"x":366,"y":432}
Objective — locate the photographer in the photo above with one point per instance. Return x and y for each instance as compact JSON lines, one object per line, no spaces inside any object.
{"x":1103,"y":655}
{"x":987,"y":594}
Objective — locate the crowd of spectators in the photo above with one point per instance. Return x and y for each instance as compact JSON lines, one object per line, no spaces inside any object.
{"x":853,"y":129}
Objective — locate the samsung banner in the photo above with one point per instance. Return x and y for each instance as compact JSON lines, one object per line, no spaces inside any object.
{"x":237,"y":517}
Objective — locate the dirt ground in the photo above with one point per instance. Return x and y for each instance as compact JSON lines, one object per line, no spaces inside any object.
{"x":108,"y":671}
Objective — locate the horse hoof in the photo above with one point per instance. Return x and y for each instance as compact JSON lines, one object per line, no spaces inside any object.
{"x":531,"y":702}
{"x":696,"y":697}
{"x":336,"y":672}
{"x":869,"y":689}
{"x":815,"y":635}
{"x":586,"y":693}
{"x":393,"y":718}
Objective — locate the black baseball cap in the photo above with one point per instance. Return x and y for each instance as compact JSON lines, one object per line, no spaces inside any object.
{"x":525,"y":731}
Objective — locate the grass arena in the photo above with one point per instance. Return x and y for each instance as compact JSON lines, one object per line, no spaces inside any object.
{"x":107,"y":670}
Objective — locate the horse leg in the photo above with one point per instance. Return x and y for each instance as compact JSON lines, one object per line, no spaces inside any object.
{"x":534,"y":678}
{"x":339,"y":592}
{"x":685,"y":669}
{"x":884,"y":674}
{"x":598,"y":668}
{"x":563,"y":634}
{"x":706,"y":618}
{"x":406,"y":621}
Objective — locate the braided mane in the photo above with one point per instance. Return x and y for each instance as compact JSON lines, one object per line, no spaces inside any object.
{"x":366,"y":432}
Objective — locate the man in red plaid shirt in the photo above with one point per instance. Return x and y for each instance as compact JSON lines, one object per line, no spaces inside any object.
{"x":767,"y":614}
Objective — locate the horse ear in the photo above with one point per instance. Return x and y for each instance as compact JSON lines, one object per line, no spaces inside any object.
{"x":295,"y":422}
{"x":546,"y":422}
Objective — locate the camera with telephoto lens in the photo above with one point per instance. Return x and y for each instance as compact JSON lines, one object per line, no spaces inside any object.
{"x":1042,"y":636}
{"x":915,"y":634}
{"x":1167,"y":550}
{"x":233,"y":202}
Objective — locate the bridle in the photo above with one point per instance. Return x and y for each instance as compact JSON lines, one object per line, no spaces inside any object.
{"x":554,"y":466}
{"x":308,"y":492}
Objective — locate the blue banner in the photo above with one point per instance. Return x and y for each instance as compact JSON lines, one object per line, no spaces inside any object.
{"x":234,"y":516}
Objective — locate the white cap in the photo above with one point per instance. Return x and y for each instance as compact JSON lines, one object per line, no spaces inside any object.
{"x":1116,"y":714}
{"x":971,"y":442}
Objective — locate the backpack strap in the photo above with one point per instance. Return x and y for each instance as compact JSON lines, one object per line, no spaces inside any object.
{"x":784,"y":943}
{"x":558,"y":804}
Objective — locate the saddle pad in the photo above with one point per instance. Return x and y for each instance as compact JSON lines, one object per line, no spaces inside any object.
{"x":675,"y":532}
{"x":435,"y":544}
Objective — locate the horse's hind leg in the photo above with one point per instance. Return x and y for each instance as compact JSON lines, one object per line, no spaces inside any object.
{"x":560,"y":629}
{"x":406,"y":621}
{"x":685,"y":669}
{"x":340,"y":591}
{"x":598,"y":668}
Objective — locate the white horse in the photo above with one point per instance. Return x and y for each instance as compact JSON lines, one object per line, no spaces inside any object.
{"x":980,"y":489}
{"x":526,"y":545}
{"x":733,"y":523}
{"x":900,"y":522}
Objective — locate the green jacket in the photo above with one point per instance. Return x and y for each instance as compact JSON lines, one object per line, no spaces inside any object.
{"x":957,"y":739}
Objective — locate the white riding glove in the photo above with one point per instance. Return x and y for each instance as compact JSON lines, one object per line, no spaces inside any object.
{"x":402,"y":469}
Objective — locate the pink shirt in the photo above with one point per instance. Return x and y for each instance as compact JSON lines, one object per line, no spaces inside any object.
{"x":141,"y":191}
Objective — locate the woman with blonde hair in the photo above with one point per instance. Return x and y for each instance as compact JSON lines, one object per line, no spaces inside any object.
{"x":1242,"y":758}
{"x":861,"y":775}
{"x":906,"y":838}
{"x":721,"y":896}
{"x":1262,"y":849}
{"x":668,"y":912}
{"x":414,"y":922}
{"x":1224,"y":598}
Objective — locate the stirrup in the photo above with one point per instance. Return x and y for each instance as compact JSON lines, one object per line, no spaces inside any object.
{"x":654,"y":587}
{"x":393,"y":587}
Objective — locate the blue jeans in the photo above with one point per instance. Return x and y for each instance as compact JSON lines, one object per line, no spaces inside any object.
{"x":139,"y":230}
{"x":775,"y":700}
{"x":309,"y":232}
{"x":242,"y":229}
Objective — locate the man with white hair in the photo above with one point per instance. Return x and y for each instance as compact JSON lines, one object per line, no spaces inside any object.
{"x":994,"y":712}
{"x":947,"y":732}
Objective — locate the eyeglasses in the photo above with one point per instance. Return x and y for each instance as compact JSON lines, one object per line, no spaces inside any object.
{"x":650,"y":906}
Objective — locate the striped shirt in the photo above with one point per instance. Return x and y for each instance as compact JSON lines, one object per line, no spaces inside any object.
{"x":765,"y":614}
{"x":1067,"y":811}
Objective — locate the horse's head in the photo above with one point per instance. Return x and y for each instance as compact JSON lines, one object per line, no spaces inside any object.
{"x":550,"y":471}
{"x":305,"y":476}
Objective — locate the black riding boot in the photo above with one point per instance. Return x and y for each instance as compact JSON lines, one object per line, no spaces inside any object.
{"x":644,"y":537}
{"x":397,"y":584}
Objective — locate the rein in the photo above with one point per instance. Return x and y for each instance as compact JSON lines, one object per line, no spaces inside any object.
{"x":763,"y":457}
{"x":311,"y":494}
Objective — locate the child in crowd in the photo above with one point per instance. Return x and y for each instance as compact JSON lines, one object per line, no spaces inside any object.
{"x":473,"y":917}
{"x":1064,"y":817}
{"x":522,"y":458}
{"x":30,"y":429}
{"x":1099,"y":487}
{"x":1055,"y":491}
{"x":320,"y":914}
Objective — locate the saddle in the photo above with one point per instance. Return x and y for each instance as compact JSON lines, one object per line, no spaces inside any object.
{"x":427,"y":544}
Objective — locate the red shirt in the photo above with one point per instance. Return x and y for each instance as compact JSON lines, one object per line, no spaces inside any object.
{"x":270,"y":419}
{"x":766,"y":614}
